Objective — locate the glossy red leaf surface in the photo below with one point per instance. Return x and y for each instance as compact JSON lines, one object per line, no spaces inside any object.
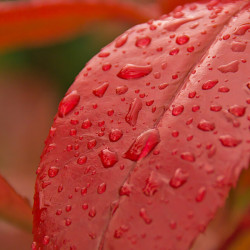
{"x":144,"y":151}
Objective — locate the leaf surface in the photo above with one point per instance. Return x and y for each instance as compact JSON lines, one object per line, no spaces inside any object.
{"x":150,"y":126}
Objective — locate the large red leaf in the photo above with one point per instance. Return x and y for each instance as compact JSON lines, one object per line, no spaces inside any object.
{"x":35,"y":22}
{"x":110,"y":118}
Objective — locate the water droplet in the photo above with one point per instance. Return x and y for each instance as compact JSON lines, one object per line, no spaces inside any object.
{"x":182,"y":39}
{"x":192,"y":94}
{"x":215,"y":108}
{"x":84,"y":191}
{"x":143,"y":145}
{"x":53,"y":171}
{"x":174,"y":52}
{"x":177,"y":110}
{"x":195,"y":108}
{"x":68,"y":208}
{"x":108,"y":158}
{"x":223,"y":89}
{"x":86,"y":124}
{"x":110,"y":112}
{"x":237,"y":110}
{"x":92,"y":212}
{"x":144,"y":216}
{"x":206,"y":125}
{"x":120,"y":90}
{"x":151,"y":186}
{"x":101,"y":188}
{"x":60,"y":188}
{"x":59,"y":212}
{"x":238,"y":46}
{"x":163,"y":86}
{"x":106,"y":66}
{"x":230,"y":67}
{"x":68,"y":103}
{"x":100,"y":91}
{"x":85,"y":206}
{"x":143,"y":42}
{"x":190,"y":49}
{"x":131,"y":71}
{"x":242,"y":29}
{"x":121,"y":40}
{"x":103,"y":54}
{"x":134,"y":109}
{"x":46,"y":240}
{"x":201,"y":194}
{"x":175,"y":133}
{"x":91,"y":144}
{"x":187,"y":156}
{"x":81,"y":160}
{"x":125,"y":190}
{"x":209,"y":84}
{"x":229,"y":141}
{"x":68,"y":222}
{"x":115,"y":135}
{"x":180,"y":177}
{"x":149,"y":103}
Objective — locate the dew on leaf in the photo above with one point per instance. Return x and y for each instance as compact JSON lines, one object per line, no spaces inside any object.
{"x":209,"y":84}
{"x":53,"y":171}
{"x":180,"y":177}
{"x":121,"y":40}
{"x":120,"y":90}
{"x":131,"y":71}
{"x":229,"y":141}
{"x":108,"y":158}
{"x":182,"y":39}
{"x":188,"y":156}
{"x":133,"y":112}
{"x":143,"y":214}
{"x":143,"y":42}
{"x":237,"y":110}
{"x":201,"y":194}
{"x":205,"y":125}
{"x":177,"y":110}
{"x":230,"y":67}
{"x":238,"y":46}
{"x":86,"y":124}
{"x":100,"y":91}
{"x":91,"y":144}
{"x":115,"y":135}
{"x":101,"y":188}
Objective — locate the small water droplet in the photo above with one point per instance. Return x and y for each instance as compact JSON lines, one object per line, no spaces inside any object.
{"x":59,"y":212}
{"x":143,"y":145}
{"x":187,"y":156}
{"x":120,"y":90}
{"x":81,"y":160}
{"x":91,"y":144}
{"x":85,"y":206}
{"x":215,"y":108}
{"x":238,"y":46}
{"x":115,"y":135}
{"x":195,"y":108}
{"x":190,"y":49}
{"x":192,"y":94}
{"x":174,"y":51}
{"x":145,"y":216}
{"x":209,"y":84}
{"x":121,"y":40}
{"x":100,"y":91}
{"x":163,"y":86}
{"x":53,"y":171}
{"x":60,"y":188}
{"x":131,"y":71}
{"x":108,"y":158}
{"x":206,"y":125}
{"x":237,"y":110}
{"x":172,"y":224}
{"x":46,"y":240}
{"x":229,"y":141}
{"x":134,"y":109}
{"x":151,"y":186}
{"x":201,"y":194}
{"x":103,"y":54}
{"x":68,"y":222}
{"x":86,"y":124}
{"x":143,"y":42}
{"x":68,"y":103}
{"x":84,"y":191}
{"x":230,"y":67}
{"x":92,"y":212}
{"x":182,"y":39}
{"x":180,"y":177}
{"x":125,"y":190}
{"x":101,"y":188}
{"x":223,"y":89}
{"x":106,"y":66}
{"x":68,"y":208}
{"x":177,"y":110}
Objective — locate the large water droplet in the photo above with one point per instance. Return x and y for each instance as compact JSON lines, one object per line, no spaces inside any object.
{"x":68,"y":103}
{"x":242,"y":29}
{"x":238,"y":46}
{"x":91,"y":144}
{"x":108,"y":158}
{"x":131,"y":71}
{"x":115,"y":135}
{"x":134,"y":109}
{"x":209,"y":84}
{"x":100,"y":91}
{"x":120,"y":90}
{"x":229,"y":141}
{"x":121,"y":40}
{"x":179,"y":178}
{"x":182,"y":39}
{"x":143,"y":42}
{"x":230,"y":67}
{"x":143,"y":145}
{"x":53,"y":171}
{"x":237,"y":110}
{"x":206,"y":125}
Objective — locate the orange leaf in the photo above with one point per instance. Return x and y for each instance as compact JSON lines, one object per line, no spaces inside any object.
{"x":31,"y":23}
{"x":13,"y":207}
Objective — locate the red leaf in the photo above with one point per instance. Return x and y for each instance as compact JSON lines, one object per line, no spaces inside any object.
{"x":187,"y":158}
{"x":36,"y":22}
